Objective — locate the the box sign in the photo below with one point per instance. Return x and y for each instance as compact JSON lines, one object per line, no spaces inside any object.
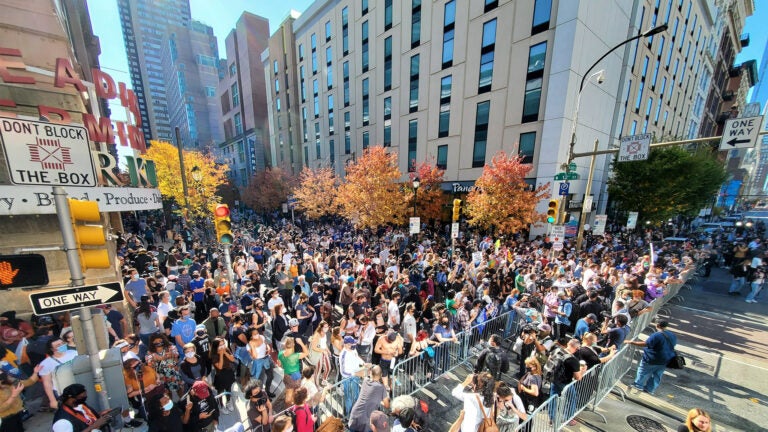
{"x":39,"y":153}
{"x":22,"y":200}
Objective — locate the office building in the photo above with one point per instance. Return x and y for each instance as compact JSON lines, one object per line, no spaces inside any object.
{"x":144,"y":23}
{"x":243,"y":102}
{"x":191,"y":70}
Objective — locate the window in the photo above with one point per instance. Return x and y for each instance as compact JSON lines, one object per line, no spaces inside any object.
{"x":315,"y":92}
{"x":486,"y":56}
{"x":445,"y":121}
{"x":490,"y":5}
{"x":415,"y":23}
{"x":330,"y":103}
{"x":633,"y":129}
{"x":364,"y":51}
{"x":658,"y":111}
{"x":327,"y":31}
{"x":532,"y":100}
{"x":328,"y":56}
{"x":542,"y":9}
{"x":366,"y":139}
{"x":317,"y":107}
{"x":329,"y":78}
{"x":387,"y":108}
{"x":238,"y":124}
{"x":537,"y":55}
{"x":364,"y":6}
{"x":317,"y":140}
{"x":388,"y":63}
{"x":277,"y":106}
{"x":314,"y":62}
{"x":345,"y":31}
{"x":210,"y":91}
{"x":366,"y":111}
{"x":445,"y":89}
{"x":645,"y":68}
{"x":663,"y":87}
{"x":639,"y":98}
{"x":661,"y":48}
{"x":232,"y":70}
{"x":277,"y":86}
{"x":306,"y":156}
{"x":302,"y":84}
{"x":301,"y":52}
{"x":345,"y":82}
{"x":527,"y":147}
{"x":413,"y":128}
{"x":313,"y":41}
{"x":274,"y":67}
{"x":387,"y":14}
{"x":235,"y":92}
{"x":347,"y":123}
{"x":442,"y":157}
{"x":387,"y":133}
{"x":648,"y":108}
{"x":347,"y":142}
{"x":332,"y":151}
{"x":481,"y":134}
{"x":655,"y":75}
{"x":413,"y":98}
{"x":449,"y":24}
{"x":304,"y":123}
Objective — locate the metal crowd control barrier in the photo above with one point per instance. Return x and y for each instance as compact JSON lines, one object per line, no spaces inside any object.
{"x":595,"y":385}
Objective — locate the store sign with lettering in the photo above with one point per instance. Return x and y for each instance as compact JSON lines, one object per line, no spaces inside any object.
{"x":24,"y":200}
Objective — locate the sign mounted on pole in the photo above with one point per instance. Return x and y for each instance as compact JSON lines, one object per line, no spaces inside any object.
{"x":455,"y":230}
{"x":71,"y":298}
{"x":39,"y":153}
{"x":564,"y":187}
{"x":632,"y":220}
{"x":740,"y":133}
{"x":414,"y":225}
{"x":598,"y":227}
{"x":635,"y":148}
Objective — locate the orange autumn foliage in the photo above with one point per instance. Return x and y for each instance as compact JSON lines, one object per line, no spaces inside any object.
{"x":503,"y":199}
{"x":315,"y":193}
{"x":430,"y":199}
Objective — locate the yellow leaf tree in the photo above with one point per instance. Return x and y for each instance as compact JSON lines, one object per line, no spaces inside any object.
{"x":429,"y":198}
{"x":502,"y":199}
{"x":315,"y":192}
{"x":201,"y":194}
{"x":267,"y":190}
{"x":372,"y":195}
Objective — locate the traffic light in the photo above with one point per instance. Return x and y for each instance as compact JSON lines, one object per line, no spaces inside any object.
{"x":456,"y":209}
{"x":552,"y":211}
{"x":223,"y":224}
{"x":87,"y":234}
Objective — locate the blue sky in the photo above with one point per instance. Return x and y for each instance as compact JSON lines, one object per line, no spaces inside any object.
{"x":106,"y":25}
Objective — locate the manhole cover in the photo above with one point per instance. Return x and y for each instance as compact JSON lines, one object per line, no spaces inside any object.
{"x":645,"y":424}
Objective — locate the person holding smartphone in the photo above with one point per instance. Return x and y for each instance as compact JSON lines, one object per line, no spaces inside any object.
{"x":201,"y":413}
{"x":11,"y":405}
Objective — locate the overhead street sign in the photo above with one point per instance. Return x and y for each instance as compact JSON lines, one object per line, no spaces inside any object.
{"x":17,"y":271}
{"x":70,"y":298}
{"x":740,"y":133}
{"x":635,"y":148}
{"x":50,"y":154}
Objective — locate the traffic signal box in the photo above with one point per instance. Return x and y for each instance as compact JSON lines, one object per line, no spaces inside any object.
{"x":552,"y":211}
{"x":89,"y":234}
{"x":456,"y":209}
{"x":223,"y":224}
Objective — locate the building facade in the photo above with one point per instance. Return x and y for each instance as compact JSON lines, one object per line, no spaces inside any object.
{"x":280,"y":73}
{"x":241,"y":95}
{"x":144,"y":23}
{"x":191,"y":70}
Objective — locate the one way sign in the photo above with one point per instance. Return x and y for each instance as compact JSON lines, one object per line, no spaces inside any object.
{"x":70,"y":298}
{"x":740,"y":133}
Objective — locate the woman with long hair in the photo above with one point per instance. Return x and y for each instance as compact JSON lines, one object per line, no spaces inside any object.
{"x":259,"y":406}
{"x":320,"y":354}
{"x":147,"y":319}
{"x":223,"y":362}
{"x":477,"y":392}
{"x":163,"y":357}
{"x":509,"y":407}
{"x":698,"y":420}
{"x":290,"y":361}
{"x":423,"y":345}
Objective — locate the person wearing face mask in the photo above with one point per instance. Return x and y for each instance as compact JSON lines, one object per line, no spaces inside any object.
{"x":11,"y":405}
{"x":58,"y":354}
{"x":183,"y":329}
{"x":164,"y":415}
{"x":135,"y":288}
{"x":74,"y":415}
{"x":202,"y":345}
{"x":201,"y":412}
{"x":443,"y":333}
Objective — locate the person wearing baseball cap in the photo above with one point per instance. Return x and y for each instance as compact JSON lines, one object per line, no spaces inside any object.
{"x":74,"y":415}
{"x":658,"y":350}
{"x":352,"y":369}
{"x":200,"y":408}
{"x":583,"y":325}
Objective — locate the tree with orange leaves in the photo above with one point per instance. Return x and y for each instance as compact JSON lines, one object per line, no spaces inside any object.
{"x":502,"y":199}
{"x":267,"y":189}
{"x":430,"y":198}
{"x":315,"y":192}
{"x":373,"y":195}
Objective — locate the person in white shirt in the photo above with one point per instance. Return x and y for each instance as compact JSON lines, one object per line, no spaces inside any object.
{"x":477,"y":394}
{"x":164,"y":306}
{"x":393,"y":311}
{"x":58,"y":354}
{"x":352,"y":368}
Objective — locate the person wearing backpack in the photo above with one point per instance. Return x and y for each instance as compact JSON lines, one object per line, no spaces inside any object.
{"x":567,"y":370}
{"x":300,"y":413}
{"x":493,"y":359}
{"x":477,"y":393}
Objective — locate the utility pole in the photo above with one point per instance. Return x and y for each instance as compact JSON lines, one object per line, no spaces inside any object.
{"x":78,"y":279}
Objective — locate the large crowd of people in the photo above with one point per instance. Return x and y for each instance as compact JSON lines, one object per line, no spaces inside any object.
{"x":324,"y":302}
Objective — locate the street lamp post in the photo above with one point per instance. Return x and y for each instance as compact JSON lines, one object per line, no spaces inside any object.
{"x":585,"y":77}
{"x":416,"y":184}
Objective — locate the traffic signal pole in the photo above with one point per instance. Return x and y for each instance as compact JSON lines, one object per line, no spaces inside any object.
{"x":78,"y":279}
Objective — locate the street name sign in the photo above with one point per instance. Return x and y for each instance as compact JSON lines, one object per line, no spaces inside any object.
{"x":50,"y":154}
{"x":70,"y":298}
{"x":635,"y":148}
{"x":740,"y":133}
